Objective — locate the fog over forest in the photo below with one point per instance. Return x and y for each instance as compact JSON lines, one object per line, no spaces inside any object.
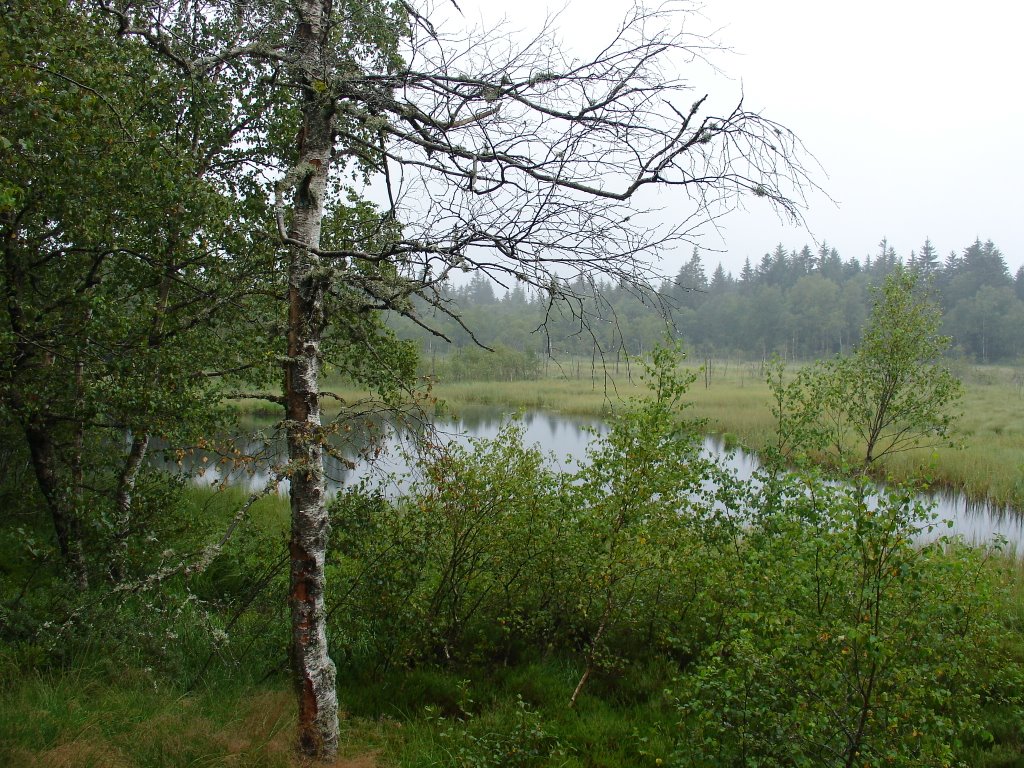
{"x":800,"y":303}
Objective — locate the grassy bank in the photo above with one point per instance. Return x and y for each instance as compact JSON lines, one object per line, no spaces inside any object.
{"x":97,"y":710}
{"x":95,"y":715}
{"x":465,"y":619}
{"x":735,"y":400}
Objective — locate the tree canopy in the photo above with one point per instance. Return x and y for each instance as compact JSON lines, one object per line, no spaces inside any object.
{"x":185,"y":217}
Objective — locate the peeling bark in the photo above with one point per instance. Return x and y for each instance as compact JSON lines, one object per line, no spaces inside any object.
{"x":313,"y":670}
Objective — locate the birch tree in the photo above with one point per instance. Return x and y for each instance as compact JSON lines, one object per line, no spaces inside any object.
{"x":491,"y":155}
{"x":893,"y":393}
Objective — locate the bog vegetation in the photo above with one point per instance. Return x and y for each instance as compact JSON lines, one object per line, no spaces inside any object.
{"x":183,"y":225}
{"x":645,"y":608}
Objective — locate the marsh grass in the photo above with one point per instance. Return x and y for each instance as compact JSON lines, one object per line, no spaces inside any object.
{"x":101,"y":709}
{"x":988,"y":464}
{"x":211,"y":510}
{"x":96,"y":715}
{"x":95,"y":719}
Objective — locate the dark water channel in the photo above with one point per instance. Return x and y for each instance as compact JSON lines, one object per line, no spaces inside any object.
{"x":564,"y":438}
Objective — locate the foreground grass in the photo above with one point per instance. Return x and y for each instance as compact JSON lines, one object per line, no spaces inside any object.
{"x":82,"y":708}
{"x":735,"y":400}
{"x":95,"y":715}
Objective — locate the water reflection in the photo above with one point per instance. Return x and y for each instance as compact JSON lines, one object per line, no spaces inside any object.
{"x":372,"y":448}
{"x":977,"y":522}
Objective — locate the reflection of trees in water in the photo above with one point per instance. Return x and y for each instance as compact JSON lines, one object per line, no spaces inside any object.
{"x":256,"y":452}
{"x":980,"y":521}
{"x":481,"y":420}
{"x":244,"y":458}
{"x":376,"y":446}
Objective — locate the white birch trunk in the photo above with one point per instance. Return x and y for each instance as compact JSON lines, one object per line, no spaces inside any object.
{"x":123,"y":504}
{"x":314,"y":672}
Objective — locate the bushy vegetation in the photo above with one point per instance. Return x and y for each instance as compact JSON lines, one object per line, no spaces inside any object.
{"x":644,"y":608}
{"x":475,"y":364}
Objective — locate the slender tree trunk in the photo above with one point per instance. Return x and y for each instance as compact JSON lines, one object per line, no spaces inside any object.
{"x":123,"y":503}
{"x":65,"y":522}
{"x":37,"y":427}
{"x":314,"y":672}
{"x":77,"y":501}
{"x":609,"y":607}
{"x":125,"y":493}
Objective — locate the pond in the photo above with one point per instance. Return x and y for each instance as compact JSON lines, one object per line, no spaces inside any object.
{"x":565,"y":438}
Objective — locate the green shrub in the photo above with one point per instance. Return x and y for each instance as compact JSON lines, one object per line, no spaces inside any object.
{"x":850,"y":641}
{"x":513,"y":737}
{"x":498,"y":364}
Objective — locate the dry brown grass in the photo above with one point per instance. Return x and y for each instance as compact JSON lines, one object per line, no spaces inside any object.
{"x":146,"y":728}
{"x":78,"y":753}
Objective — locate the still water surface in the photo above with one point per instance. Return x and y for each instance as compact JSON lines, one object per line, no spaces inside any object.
{"x":564,"y":438}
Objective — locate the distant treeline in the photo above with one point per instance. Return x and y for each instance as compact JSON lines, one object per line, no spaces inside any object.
{"x":799,"y":304}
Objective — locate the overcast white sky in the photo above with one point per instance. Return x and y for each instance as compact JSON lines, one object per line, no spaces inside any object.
{"x":914,"y":109}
